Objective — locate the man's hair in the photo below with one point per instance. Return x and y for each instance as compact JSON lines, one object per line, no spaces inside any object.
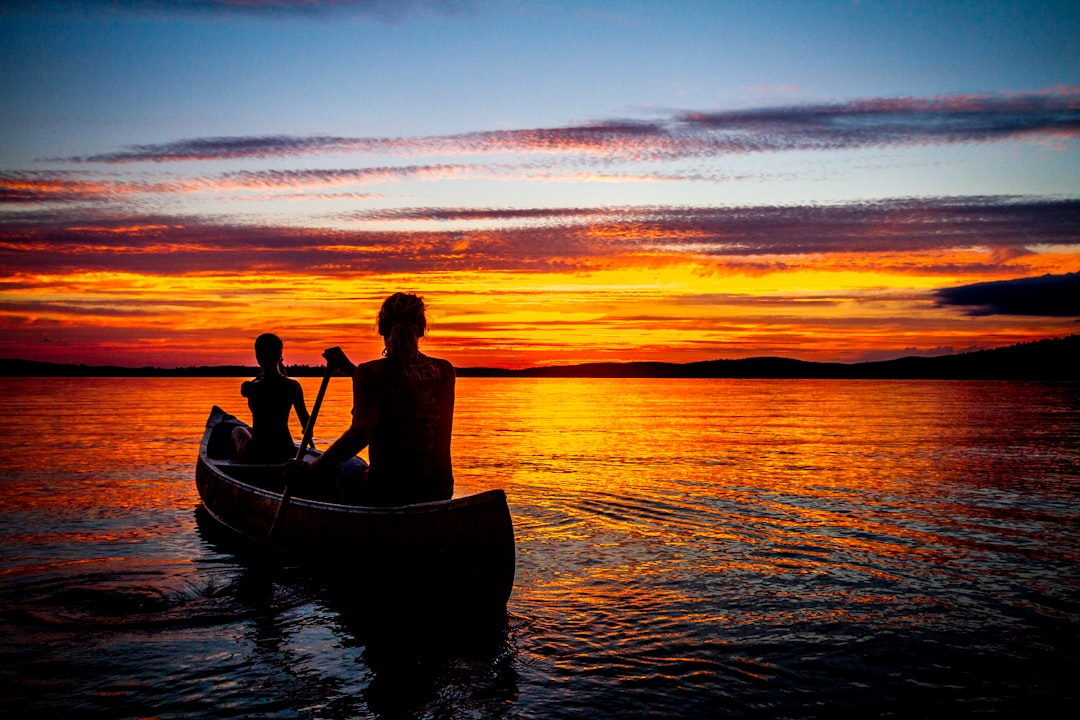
{"x":402,"y":323}
{"x":268,"y":347}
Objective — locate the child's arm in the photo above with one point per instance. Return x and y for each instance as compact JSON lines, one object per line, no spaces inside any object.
{"x":298,"y":404}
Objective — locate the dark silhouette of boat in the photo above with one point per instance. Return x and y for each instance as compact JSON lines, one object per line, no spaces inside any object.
{"x":453,"y":555}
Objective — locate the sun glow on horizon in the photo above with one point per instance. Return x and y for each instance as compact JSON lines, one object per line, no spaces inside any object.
{"x":828,"y":307}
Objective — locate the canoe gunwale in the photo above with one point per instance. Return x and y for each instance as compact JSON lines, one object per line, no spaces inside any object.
{"x":216,"y":467}
{"x":461,"y":548}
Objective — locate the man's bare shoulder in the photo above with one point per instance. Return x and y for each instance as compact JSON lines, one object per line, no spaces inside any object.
{"x":382,"y":365}
{"x":446,"y":368}
{"x":439,"y":362}
{"x":371,"y":367}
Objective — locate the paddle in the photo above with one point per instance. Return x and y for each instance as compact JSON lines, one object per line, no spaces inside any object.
{"x":304,"y":442}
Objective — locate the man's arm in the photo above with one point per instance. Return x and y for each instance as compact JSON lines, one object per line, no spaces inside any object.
{"x":351,"y":442}
{"x":357,"y":437}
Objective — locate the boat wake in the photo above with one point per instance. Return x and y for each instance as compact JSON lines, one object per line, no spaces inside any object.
{"x":143,"y":601}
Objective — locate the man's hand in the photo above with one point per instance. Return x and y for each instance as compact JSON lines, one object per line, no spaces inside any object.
{"x":296,"y":471}
{"x":338,"y":360}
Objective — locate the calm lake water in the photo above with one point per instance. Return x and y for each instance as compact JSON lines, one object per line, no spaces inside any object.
{"x":686,"y":549}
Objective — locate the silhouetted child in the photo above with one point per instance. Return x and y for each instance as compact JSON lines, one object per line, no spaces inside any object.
{"x":270,"y":397}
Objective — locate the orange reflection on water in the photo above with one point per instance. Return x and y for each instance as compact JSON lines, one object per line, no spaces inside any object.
{"x":868,"y":486}
{"x":674,"y":498}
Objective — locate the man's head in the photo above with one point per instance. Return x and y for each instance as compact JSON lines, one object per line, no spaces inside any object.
{"x":402,"y":323}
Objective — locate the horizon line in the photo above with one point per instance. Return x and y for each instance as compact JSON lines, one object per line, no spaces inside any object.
{"x":21,"y":365}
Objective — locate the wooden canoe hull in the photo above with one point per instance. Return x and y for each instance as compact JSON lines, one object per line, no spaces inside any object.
{"x":460,"y":549}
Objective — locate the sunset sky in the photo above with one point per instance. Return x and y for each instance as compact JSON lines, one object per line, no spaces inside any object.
{"x":562,"y":181}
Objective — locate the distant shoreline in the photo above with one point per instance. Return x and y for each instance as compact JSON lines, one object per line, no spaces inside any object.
{"x":1051,"y":359}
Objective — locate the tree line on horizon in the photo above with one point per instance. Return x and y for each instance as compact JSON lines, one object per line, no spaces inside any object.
{"x":1049,"y":359}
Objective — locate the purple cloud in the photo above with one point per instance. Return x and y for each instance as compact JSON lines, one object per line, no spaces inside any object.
{"x":292,"y":178}
{"x":483,"y":214}
{"x":1047,"y":296}
{"x":849,"y":125}
{"x":70,"y":187}
{"x":562,"y":239}
{"x":899,"y":121}
{"x":228,"y":148}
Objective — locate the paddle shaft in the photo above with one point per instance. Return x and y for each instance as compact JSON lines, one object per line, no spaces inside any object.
{"x":308,"y":432}
{"x":310,"y":429}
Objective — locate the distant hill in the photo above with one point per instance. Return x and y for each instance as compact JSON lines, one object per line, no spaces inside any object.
{"x":31,"y":368}
{"x":1054,"y":359}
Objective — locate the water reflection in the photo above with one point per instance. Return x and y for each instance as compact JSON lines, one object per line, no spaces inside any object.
{"x":395,"y":667}
{"x":686,"y":548}
{"x":700,"y":513}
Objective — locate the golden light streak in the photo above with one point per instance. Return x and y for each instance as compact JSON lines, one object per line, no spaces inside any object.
{"x":820,"y":307}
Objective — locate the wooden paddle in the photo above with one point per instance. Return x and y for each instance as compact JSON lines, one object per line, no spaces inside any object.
{"x":304,"y":442}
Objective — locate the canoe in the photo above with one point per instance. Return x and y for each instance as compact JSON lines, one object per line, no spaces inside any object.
{"x":457,"y":553}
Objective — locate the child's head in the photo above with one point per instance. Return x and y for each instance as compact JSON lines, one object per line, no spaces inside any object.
{"x":268,"y":347}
